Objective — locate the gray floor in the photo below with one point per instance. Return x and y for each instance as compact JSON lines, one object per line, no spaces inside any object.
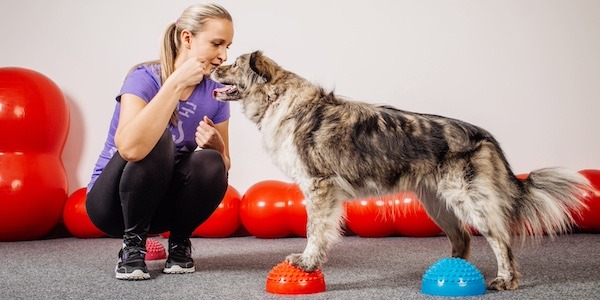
{"x":236,"y":268}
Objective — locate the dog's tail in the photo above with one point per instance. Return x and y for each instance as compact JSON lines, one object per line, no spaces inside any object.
{"x":549,"y":201}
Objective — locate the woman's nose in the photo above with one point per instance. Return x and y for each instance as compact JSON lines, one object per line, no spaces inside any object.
{"x":223,"y":55}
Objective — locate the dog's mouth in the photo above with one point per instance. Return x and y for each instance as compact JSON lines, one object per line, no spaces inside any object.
{"x":227,"y":92}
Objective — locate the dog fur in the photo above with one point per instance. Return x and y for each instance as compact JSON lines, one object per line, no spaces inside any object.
{"x":337,"y":149}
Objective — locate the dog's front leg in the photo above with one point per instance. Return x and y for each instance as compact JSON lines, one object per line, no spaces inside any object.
{"x":325,"y":211}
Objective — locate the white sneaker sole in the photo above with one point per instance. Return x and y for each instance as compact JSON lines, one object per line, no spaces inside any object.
{"x":135,"y":275}
{"x":179,"y":270}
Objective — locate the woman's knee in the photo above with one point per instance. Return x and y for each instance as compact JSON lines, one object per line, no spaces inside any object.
{"x":104,"y":213}
{"x":208,"y":172}
{"x":209,"y":164}
{"x":154,"y":169}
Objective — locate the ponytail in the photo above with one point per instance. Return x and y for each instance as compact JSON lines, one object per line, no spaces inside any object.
{"x":168,"y":53}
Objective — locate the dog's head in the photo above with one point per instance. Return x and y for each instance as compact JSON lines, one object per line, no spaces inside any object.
{"x":248,"y":72}
{"x":254,"y":79}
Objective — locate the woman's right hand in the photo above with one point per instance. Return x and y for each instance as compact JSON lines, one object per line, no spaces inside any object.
{"x":190,"y":73}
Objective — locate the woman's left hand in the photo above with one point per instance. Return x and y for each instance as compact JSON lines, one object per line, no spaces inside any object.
{"x":208,"y":137}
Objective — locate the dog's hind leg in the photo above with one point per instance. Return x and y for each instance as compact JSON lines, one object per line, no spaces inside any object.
{"x":474,"y":192}
{"x":508,"y":276}
{"x":496,"y":230}
{"x":459,"y":237}
{"x":325,"y":212}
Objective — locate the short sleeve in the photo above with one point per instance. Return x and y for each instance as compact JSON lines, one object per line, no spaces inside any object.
{"x":143,"y":82}
{"x":223,"y":113}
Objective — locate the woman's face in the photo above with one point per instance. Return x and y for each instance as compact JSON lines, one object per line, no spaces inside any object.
{"x":212,"y":43}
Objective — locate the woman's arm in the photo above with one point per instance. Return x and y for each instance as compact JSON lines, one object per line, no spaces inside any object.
{"x":141,"y":124}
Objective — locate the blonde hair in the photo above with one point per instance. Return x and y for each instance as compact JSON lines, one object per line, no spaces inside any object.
{"x":193,"y":20}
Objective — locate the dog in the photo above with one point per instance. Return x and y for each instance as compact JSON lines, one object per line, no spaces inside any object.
{"x":336,"y":149}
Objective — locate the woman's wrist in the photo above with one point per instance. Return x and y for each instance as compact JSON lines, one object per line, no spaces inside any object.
{"x":173,"y":87}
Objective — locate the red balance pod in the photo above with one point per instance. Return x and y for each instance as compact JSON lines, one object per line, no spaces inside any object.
{"x":34,"y":121}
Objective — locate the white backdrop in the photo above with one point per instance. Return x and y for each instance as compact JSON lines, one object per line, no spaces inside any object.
{"x":528,"y":71}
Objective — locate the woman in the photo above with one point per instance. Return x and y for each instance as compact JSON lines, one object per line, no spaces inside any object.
{"x":165,"y":162}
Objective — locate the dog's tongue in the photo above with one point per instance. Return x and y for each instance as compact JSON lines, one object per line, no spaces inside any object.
{"x":221,"y":90}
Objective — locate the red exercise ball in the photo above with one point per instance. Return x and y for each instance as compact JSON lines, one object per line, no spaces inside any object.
{"x":225,"y":220}
{"x":370,"y":217}
{"x":589,"y":220}
{"x":411,"y":218}
{"x":296,"y":210}
{"x":34,"y":121}
{"x":76,"y":218}
{"x":522,"y":176}
{"x":264,"y":209}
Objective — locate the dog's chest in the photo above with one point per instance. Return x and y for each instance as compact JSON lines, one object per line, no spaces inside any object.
{"x":278,"y":141}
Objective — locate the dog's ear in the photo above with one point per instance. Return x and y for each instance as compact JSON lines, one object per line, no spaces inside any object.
{"x":261,"y":65}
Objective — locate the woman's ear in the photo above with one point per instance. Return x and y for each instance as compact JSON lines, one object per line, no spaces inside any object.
{"x":186,"y":39}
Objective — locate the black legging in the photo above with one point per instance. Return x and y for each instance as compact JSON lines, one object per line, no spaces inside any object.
{"x":156,"y":194}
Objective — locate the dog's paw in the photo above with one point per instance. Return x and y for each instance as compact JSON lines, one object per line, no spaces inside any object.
{"x":501,"y":284}
{"x":298,"y":260}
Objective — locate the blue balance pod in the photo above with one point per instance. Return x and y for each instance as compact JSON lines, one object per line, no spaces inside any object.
{"x":453,"y":277}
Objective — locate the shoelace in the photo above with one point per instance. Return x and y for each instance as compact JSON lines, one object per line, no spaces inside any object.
{"x":133,"y":240}
{"x":134,"y":252}
{"x":181,"y":249}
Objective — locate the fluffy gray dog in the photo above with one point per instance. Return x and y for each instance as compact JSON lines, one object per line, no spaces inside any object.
{"x":337,"y":149}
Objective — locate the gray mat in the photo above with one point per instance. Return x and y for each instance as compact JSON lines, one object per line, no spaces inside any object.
{"x":236,"y":268}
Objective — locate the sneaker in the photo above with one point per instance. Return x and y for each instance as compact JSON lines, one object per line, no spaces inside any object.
{"x":180,"y":258}
{"x":131,"y":264}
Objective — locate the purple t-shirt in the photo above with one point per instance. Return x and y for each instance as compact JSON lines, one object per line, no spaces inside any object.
{"x":145,"y":82}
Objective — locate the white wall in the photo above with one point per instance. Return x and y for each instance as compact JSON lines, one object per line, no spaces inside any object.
{"x":528,"y":71}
